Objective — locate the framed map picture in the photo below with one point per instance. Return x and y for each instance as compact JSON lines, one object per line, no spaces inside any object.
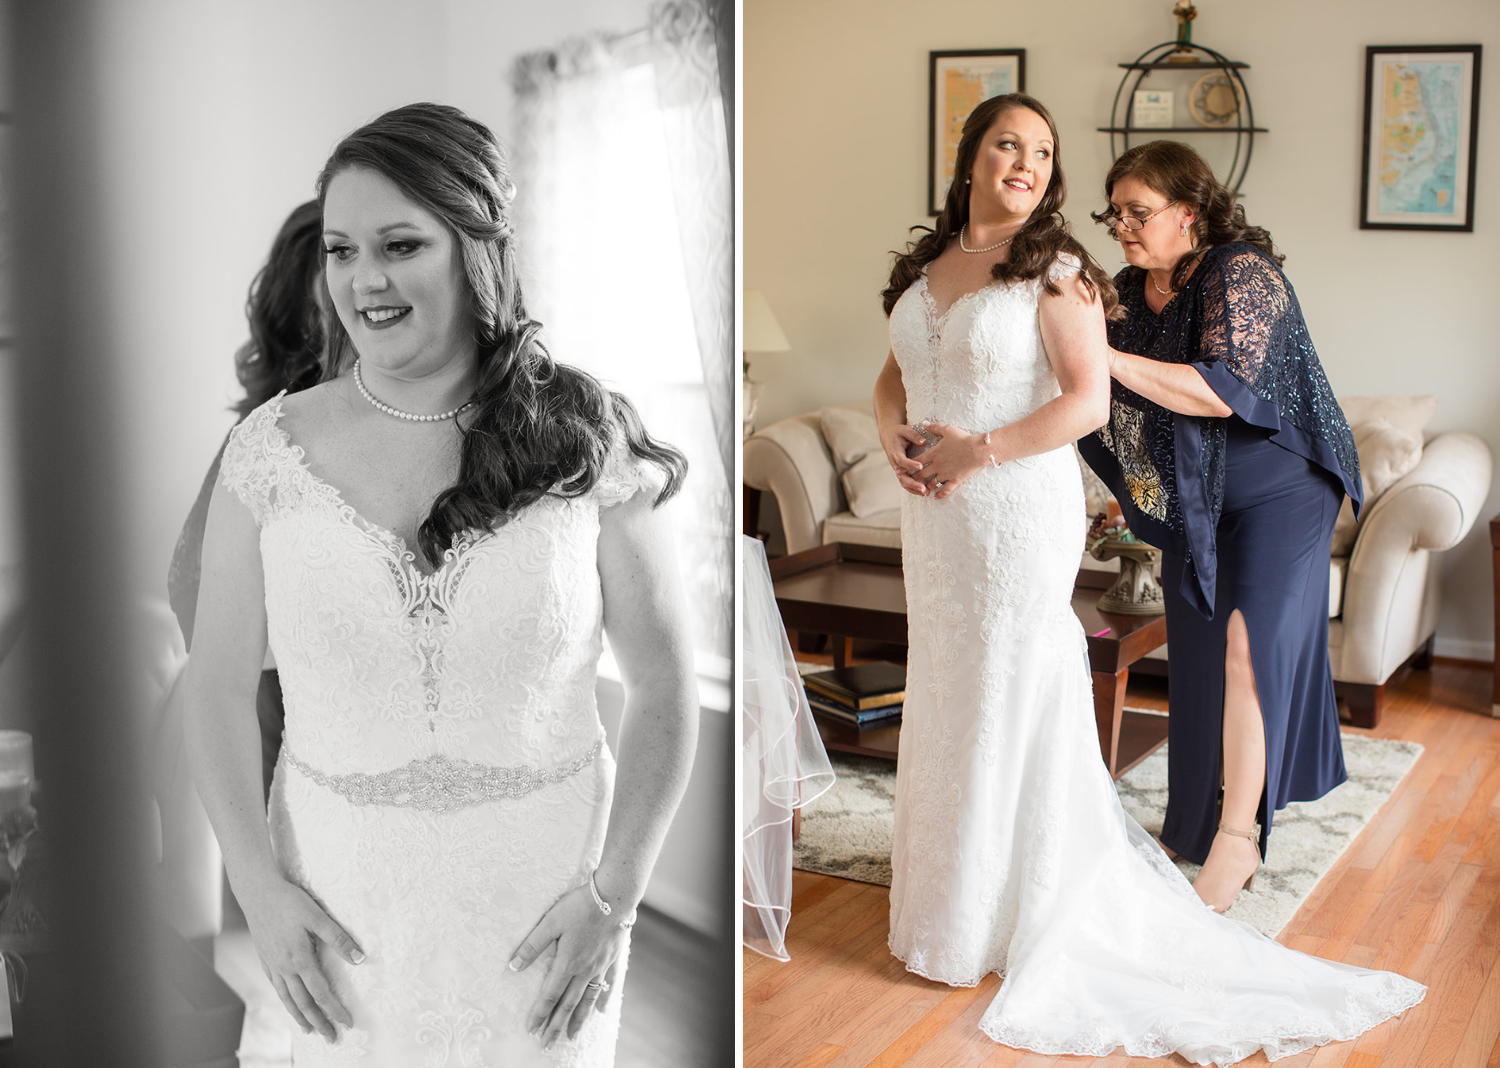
{"x":959,"y":82}
{"x":1421,"y":125}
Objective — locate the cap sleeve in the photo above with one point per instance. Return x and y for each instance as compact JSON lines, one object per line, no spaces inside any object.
{"x":1064,"y":266}
{"x":625,"y":474}
{"x":248,"y":469}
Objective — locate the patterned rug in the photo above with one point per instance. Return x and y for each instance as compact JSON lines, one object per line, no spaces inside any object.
{"x":847,"y":831}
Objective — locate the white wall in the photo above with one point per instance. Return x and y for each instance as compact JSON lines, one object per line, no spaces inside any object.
{"x":835,"y":120}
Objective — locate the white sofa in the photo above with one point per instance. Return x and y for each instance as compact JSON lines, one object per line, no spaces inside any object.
{"x":1385,"y":595}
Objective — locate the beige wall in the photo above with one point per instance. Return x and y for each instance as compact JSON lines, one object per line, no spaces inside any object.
{"x":835,"y":127}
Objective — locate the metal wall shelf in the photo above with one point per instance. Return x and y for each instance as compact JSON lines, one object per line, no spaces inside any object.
{"x":1167,"y":64}
{"x":1157,"y":58}
{"x":1182,"y":129}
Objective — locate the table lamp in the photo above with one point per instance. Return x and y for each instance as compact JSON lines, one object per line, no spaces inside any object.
{"x":762,"y":334}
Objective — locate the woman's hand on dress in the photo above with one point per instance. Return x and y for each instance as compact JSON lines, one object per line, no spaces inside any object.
{"x":894,"y":439}
{"x":287,"y":925}
{"x":588,"y":952}
{"x":954,"y":459}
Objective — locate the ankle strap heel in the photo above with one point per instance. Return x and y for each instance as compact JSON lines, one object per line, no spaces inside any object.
{"x":1253,"y":834}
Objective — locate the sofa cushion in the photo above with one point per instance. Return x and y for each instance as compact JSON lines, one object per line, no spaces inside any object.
{"x":1411,"y":414}
{"x":881,"y":528}
{"x":1338,"y":567}
{"x":1386,"y":454}
{"x":869,"y":485}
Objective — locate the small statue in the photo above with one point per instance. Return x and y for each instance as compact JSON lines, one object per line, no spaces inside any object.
{"x":1185,"y":13}
{"x":1135,"y":592}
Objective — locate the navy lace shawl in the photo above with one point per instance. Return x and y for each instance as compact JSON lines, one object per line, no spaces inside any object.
{"x":1238,"y":323}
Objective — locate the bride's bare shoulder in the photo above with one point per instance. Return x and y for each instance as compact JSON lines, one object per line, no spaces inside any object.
{"x":317,"y":411}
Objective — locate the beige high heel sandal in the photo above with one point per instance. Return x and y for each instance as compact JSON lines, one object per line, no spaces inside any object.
{"x":1253,"y":834}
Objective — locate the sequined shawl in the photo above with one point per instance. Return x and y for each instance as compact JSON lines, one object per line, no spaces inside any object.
{"x":1238,"y":322}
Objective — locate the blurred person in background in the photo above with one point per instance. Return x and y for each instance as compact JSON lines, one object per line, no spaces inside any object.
{"x":286,"y":311}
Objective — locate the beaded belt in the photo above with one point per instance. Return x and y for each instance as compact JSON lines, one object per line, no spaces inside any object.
{"x":442,"y":784}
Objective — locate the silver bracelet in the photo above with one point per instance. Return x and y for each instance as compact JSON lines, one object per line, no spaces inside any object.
{"x":993,"y":462}
{"x":604,"y":906}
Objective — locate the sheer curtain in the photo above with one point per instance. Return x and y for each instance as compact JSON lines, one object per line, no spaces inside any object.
{"x":624,"y":224}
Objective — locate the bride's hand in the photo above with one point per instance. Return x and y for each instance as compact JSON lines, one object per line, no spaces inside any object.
{"x":588,"y":952}
{"x":954,"y":459}
{"x":894,"y":439}
{"x":286,"y":925}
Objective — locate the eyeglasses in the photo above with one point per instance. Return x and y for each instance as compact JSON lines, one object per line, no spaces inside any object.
{"x":1134,"y":222}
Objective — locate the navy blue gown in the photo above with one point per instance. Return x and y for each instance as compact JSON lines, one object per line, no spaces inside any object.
{"x":1243,"y":510}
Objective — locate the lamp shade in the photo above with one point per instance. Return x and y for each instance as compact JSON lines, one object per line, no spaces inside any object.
{"x":762,"y":331}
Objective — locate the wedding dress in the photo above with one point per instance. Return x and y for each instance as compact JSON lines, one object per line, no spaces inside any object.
{"x":444,"y":776}
{"x":1012,"y":853}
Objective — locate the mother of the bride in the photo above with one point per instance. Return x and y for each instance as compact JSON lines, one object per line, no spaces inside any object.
{"x":1227,"y":449}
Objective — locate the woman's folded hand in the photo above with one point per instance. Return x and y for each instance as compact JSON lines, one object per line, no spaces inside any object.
{"x":897,"y":439}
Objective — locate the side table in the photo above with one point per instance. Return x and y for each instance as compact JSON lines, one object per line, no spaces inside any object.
{"x":857,"y":591}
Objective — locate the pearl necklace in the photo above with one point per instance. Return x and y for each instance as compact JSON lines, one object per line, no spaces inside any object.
{"x":397,"y":412}
{"x":964,"y":229}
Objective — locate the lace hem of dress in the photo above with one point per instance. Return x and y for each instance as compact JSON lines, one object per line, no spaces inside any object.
{"x":1286,"y":1037}
{"x":441,"y":784}
{"x":916,"y":963}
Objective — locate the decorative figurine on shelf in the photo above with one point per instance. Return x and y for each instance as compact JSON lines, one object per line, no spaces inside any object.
{"x":1135,"y":592}
{"x":1185,"y":13}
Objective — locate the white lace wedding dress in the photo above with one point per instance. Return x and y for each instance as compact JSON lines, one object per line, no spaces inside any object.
{"x":444,"y":776}
{"x":1012,"y":853}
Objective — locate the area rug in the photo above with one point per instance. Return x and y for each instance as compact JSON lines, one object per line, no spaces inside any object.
{"x":847,"y":831}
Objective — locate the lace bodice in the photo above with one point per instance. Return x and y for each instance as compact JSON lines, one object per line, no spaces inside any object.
{"x":382,"y":664}
{"x":981,"y":363}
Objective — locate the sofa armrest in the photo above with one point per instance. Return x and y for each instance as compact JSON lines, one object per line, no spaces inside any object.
{"x":791,"y":459}
{"x":1390,"y":600}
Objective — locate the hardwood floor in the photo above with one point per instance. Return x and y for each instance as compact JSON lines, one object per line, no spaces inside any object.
{"x":1417,"y":892}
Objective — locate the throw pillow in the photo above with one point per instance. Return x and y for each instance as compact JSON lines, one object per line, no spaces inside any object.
{"x":871,"y":486}
{"x":1386,"y":454}
{"x":868,"y":481}
{"x":1411,"y":414}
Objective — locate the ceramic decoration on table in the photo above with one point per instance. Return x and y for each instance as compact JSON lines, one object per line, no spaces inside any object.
{"x":17,"y":823}
{"x":20,"y":922}
{"x":1135,"y":592}
{"x":16,"y":771}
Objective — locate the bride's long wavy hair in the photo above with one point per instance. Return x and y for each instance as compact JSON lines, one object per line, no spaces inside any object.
{"x":538,"y":426}
{"x":1042,"y":238}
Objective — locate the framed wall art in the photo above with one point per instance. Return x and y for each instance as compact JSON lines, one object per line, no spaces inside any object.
{"x":1421,"y":129}
{"x":957,"y":83}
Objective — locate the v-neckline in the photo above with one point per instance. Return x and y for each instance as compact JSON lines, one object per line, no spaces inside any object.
{"x":939,"y":321}
{"x":388,"y":539}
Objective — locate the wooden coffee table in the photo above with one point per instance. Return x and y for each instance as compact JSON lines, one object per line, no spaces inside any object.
{"x":856,"y":591}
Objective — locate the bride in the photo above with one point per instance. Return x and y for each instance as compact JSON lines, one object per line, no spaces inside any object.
{"x":430,"y":541}
{"x":1012,"y":853}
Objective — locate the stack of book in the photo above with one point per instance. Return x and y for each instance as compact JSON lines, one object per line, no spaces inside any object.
{"x":863,"y":695}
